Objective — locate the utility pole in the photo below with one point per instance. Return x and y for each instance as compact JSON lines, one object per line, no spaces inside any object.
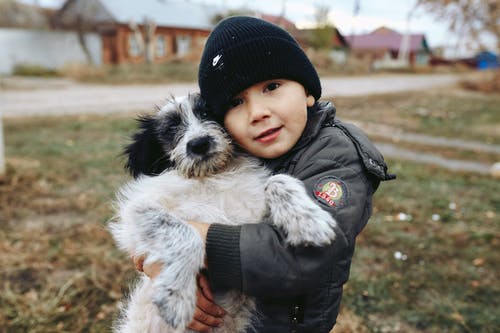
{"x":355,"y":12}
{"x":404,"y":47}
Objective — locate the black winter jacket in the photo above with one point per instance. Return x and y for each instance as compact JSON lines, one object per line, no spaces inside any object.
{"x":298,"y":289}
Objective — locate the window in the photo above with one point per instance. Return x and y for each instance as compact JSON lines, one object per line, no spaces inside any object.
{"x":160,"y":46}
{"x":183,"y":45}
{"x":134,"y":45}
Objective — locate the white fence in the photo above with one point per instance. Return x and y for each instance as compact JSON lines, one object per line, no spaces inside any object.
{"x":49,"y":49}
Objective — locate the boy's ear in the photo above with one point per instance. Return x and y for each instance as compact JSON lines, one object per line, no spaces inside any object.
{"x":310,"y":100}
{"x":145,"y":155}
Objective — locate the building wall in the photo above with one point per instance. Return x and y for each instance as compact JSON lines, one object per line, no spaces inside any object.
{"x":168,"y":43}
{"x":49,"y":49}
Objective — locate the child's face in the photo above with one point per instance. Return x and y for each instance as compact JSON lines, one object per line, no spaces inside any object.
{"x":268,"y":118}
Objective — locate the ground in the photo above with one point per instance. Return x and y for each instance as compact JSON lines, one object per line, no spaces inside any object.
{"x":426,"y":262}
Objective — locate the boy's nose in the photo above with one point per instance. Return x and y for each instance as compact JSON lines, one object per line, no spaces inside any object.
{"x":258,"y":111}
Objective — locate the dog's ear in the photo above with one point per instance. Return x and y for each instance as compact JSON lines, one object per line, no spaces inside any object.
{"x":145,"y":155}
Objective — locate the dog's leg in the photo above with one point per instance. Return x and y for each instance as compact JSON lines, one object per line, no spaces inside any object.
{"x":139,"y":314}
{"x":292,"y":210}
{"x":179,"y":248}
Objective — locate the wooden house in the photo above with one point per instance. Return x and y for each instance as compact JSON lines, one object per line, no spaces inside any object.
{"x":385,"y":43}
{"x":139,"y":31}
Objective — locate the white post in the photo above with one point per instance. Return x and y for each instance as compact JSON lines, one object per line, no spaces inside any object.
{"x":2,"y":148}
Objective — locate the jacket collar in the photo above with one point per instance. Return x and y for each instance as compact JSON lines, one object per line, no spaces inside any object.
{"x":320,"y":113}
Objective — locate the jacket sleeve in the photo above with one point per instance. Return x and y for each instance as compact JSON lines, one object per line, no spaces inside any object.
{"x":253,"y":258}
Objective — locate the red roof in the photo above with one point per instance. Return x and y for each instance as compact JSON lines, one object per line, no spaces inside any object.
{"x":384,"y":38}
{"x":279,"y":20}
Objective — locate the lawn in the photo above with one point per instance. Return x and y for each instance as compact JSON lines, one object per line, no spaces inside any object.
{"x":427,"y":261}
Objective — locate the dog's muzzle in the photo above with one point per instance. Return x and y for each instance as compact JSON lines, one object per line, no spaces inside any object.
{"x":199,"y":146}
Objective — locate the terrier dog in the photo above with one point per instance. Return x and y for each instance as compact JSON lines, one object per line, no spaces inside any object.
{"x":186,"y":168}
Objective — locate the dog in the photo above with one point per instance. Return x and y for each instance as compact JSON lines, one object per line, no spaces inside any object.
{"x":186,"y":168}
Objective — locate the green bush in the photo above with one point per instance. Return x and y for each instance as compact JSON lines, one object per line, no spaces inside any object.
{"x":26,"y":69}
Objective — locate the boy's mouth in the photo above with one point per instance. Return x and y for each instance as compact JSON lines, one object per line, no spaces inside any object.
{"x":269,"y":135}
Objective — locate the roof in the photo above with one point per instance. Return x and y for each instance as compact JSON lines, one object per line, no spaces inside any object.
{"x":170,"y":13}
{"x":384,"y":38}
{"x":20,"y":15}
{"x":279,"y":20}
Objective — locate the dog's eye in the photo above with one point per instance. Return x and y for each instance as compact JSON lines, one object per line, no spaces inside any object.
{"x":169,"y":125}
{"x":173,"y":121}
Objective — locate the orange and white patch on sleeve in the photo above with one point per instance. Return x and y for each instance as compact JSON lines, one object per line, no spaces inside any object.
{"x":331,"y":191}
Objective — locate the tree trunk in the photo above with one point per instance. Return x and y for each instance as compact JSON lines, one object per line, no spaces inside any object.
{"x":81,"y":39}
{"x":2,"y":148}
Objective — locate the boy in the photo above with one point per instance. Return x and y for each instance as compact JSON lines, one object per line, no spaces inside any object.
{"x":262,"y":87}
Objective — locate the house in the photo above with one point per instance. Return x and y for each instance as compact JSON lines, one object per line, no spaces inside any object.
{"x":487,"y":60}
{"x":27,"y":40}
{"x":387,"y":44}
{"x":138,"y":31}
{"x":15,"y":14}
{"x":279,"y":20}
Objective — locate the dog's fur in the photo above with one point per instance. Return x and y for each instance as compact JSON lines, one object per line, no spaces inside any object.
{"x":187,"y":169}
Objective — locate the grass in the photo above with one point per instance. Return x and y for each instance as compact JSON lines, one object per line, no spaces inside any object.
{"x":170,"y":72}
{"x":175,"y":71}
{"x":61,"y":272}
{"x":34,"y":70}
{"x":468,"y":116}
{"x":447,"y":282}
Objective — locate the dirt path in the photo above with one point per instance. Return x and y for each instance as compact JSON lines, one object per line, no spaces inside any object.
{"x":25,"y":97}
{"x":28,"y":97}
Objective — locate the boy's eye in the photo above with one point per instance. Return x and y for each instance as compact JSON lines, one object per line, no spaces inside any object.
{"x":272,"y":86}
{"x":235,"y":102}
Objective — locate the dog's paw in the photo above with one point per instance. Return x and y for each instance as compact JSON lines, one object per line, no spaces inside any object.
{"x":176,"y":306}
{"x":175,"y":286}
{"x":291,"y":209}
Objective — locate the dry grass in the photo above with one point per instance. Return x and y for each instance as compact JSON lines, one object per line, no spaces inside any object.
{"x":60,"y":271}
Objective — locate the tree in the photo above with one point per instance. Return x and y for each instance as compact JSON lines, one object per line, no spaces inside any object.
{"x":144,"y":37}
{"x":322,"y":35}
{"x":472,"y":19}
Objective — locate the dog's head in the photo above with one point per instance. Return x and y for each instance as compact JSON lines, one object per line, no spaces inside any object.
{"x":181,"y":136}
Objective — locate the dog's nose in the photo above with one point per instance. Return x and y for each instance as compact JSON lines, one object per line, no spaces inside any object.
{"x":199,"y":146}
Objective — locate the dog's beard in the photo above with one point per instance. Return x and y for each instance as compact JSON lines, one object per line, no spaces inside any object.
{"x":203,"y":166}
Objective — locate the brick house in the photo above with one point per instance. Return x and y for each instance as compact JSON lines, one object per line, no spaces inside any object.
{"x":177,"y":30}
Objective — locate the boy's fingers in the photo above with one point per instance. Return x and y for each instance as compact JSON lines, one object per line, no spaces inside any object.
{"x":205,"y":287}
{"x":138,"y":263}
{"x":208,"y":307}
{"x":205,"y":319}
{"x":205,"y":298}
{"x":199,"y":327}
{"x":152,"y":270}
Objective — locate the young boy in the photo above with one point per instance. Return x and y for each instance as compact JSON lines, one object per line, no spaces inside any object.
{"x":264,"y":90}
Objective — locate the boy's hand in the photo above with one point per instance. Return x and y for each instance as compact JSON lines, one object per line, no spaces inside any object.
{"x":208,"y":315}
{"x":151,"y":270}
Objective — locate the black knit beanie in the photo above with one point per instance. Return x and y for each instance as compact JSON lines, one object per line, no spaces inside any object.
{"x":242,"y":51}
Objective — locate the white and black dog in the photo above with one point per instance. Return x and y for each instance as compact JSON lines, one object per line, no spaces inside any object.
{"x":187,"y":169}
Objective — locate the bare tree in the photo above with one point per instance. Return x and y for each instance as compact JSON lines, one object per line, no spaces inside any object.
{"x":475,"y":20}
{"x":322,"y":35}
{"x":472,"y":19}
{"x":144,"y":38}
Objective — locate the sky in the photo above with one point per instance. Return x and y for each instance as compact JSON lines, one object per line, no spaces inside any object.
{"x":372,"y":14}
